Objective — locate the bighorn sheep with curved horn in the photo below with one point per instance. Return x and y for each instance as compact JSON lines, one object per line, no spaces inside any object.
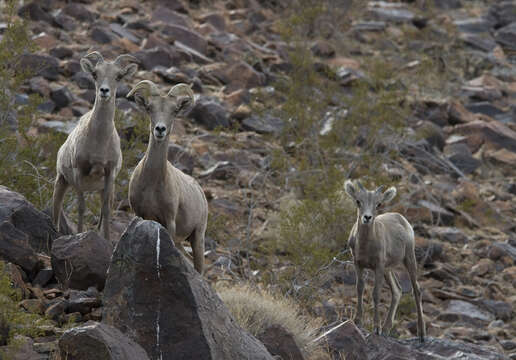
{"x":90,"y":158}
{"x":159,"y":191}
{"x":379,"y":243}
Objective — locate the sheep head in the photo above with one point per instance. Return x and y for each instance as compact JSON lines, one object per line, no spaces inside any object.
{"x":108,"y":75}
{"x":368,"y":201}
{"x":162,"y":108}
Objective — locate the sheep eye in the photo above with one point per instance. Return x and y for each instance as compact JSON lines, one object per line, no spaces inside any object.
{"x":358,"y":202}
{"x":378,"y":206}
{"x":94,"y":75}
{"x":119,"y":77}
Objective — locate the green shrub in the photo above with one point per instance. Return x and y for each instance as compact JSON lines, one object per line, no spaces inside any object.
{"x":27,"y":161}
{"x":13,"y":320}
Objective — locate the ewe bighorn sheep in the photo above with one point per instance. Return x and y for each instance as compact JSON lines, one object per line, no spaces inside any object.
{"x":379,"y":243}
{"x":159,"y":191}
{"x":90,"y":158}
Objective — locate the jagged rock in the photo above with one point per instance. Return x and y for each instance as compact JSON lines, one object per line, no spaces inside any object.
{"x":61,"y":52}
{"x":15,"y":209}
{"x":465,"y":313}
{"x":124,"y":33}
{"x":98,"y":341}
{"x":473,"y":25}
{"x":46,"y":66}
{"x":506,"y":36}
{"x":485,"y":107}
{"x":34,"y":306}
{"x":216,"y":19}
{"x":323,"y":49}
{"x":57,"y":309}
{"x":209,"y":113}
{"x":501,"y":309}
{"x":500,"y":249}
{"x":80,"y":261}
{"x":495,"y":133}
{"x":155,"y":57}
{"x":43,"y":277}
{"x":449,"y":234}
{"x":154,"y":295}
{"x":21,"y":349}
{"x":482,"y":42}
{"x":265,"y":124}
{"x":347,"y":340}
{"x":83,"y":305}
{"x":186,"y":36}
{"x":79,"y":12}
{"x":399,"y":15}
{"x":64,"y":21}
{"x":62,"y":97}
{"x":170,"y":17}
{"x":181,"y":158}
{"x":15,"y":247}
{"x":460,"y":155}
{"x":280,"y":342}
{"x":102,"y":35}
{"x":33,"y":11}
{"x":440,"y":214}
{"x":502,"y":13}
{"x":83,"y":80}
{"x":243,"y":76}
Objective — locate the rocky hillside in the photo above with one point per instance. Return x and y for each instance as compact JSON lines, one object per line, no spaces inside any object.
{"x":418,"y":94}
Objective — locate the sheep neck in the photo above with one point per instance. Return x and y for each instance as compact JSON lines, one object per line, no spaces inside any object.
{"x":102,"y":120}
{"x":155,"y":160}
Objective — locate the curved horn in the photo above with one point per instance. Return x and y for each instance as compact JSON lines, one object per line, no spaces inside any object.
{"x":362,"y":188}
{"x":181,"y":90}
{"x":95,"y":56}
{"x":125,"y":57}
{"x":145,"y":84}
{"x":380,"y":189}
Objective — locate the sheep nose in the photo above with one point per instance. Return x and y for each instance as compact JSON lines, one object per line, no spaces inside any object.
{"x":367,"y":218}
{"x":161,"y":129}
{"x":104,"y":91}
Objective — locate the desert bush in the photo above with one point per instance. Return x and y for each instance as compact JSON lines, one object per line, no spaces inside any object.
{"x":13,"y":320}
{"x":27,"y":160}
{"x":255,"y":310}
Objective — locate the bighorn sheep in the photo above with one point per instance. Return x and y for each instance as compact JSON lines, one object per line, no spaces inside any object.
{"x":90,"y":158}
{"x":379,"y":243}
{"x":159,"y":191}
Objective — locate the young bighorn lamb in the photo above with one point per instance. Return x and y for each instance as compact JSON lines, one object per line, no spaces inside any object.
{"x":380,"y":243}
{"x":159,"y":191}
{"x":90,"y":158}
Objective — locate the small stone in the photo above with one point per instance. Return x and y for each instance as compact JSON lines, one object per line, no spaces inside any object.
{"x":43,"y":277}
{"x":210,"y":114}
{"x":56,"y":310}
{"x":34,"y":306}
{"x":62,"y":97}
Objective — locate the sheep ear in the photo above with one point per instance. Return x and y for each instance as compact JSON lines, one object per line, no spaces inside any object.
{"x":350,"y":189}
{"x":87,"y":66}
{"x":129,"y":70}
{"x":184,"y":104}
{"x":140,"y":98}
{"x":389,"y":194}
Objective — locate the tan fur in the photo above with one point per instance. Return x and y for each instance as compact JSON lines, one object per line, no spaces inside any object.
{"x":159,"y":191}
{"x":90,"y":158}
{"x":380,"y":243}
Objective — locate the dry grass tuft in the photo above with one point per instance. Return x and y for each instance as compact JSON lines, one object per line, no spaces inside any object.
{"x":256,"y":309}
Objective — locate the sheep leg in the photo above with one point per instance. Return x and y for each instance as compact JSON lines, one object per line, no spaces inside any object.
{"x":378,"y":283}
{"x":60,"y":187}
{"x":171,"y":228}
{"x":81,"y":209}
{"x":197,"y":241}
{"x":360,"y":293}
{"x":107,"y":197}
{"x":411,"y":265}
{"x":395,"y":300}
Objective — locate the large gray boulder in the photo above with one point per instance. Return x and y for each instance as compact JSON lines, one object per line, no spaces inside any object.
{"x":154,"y":295}
{"x":80,"y":261}
{"x":17,"y":210}
{"x":98,"y":341}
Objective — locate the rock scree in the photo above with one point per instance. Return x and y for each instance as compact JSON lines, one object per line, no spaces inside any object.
{"x":155,"y":296}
